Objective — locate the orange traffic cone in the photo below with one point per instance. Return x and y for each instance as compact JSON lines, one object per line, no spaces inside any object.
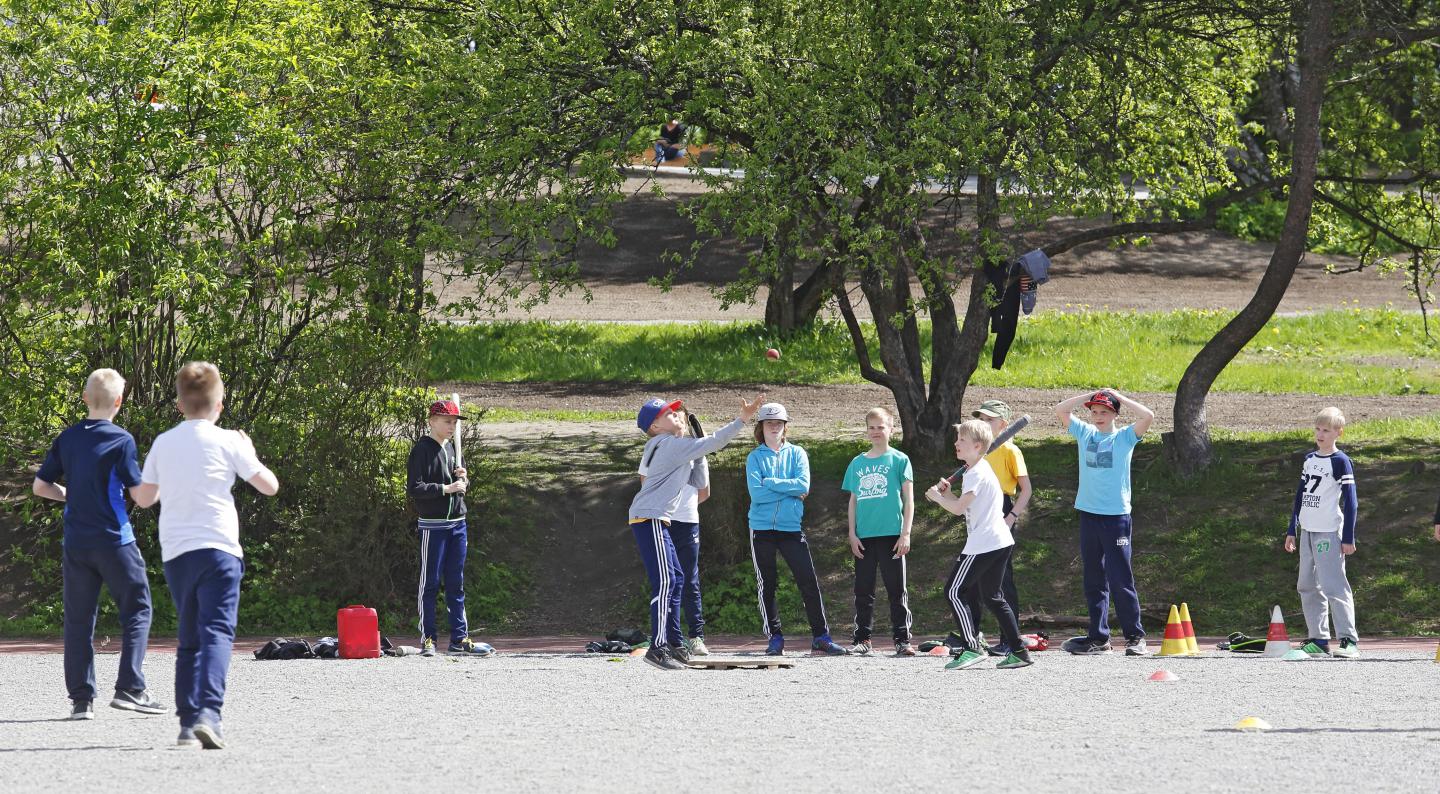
{"x":1190,"y":642}
{"x":1174,"y":643}
{"x":1277,"y":640}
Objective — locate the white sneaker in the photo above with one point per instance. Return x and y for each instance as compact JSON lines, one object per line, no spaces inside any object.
{"x":696,"y":646}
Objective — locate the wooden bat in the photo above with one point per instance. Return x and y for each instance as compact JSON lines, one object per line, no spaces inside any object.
{"x":459,"y":460}
{"x":1005,"y":435}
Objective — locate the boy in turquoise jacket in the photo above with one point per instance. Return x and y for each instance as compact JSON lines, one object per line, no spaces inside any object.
{"x":777,"y":474}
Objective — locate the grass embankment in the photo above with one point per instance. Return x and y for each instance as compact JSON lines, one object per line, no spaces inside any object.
{"x":1352,"y":352}
{"x":1214,"y":542}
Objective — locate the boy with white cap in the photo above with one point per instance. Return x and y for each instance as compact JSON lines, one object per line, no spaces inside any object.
{"x":777,"y":474}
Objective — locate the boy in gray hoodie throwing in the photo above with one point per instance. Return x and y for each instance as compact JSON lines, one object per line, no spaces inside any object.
{"x":670,"y":461}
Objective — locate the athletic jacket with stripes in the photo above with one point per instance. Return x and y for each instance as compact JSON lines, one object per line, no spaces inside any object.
{"x":1326,"y":500}
{"x":670,"y":463}
{"x":429,"y":469}
{"x":777,"y":480}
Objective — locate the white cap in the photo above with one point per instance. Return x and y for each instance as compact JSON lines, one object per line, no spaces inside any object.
{"x":772,"y":411}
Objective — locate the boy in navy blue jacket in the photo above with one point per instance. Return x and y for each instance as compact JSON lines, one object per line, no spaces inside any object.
{"x":437,"y":487}
{"x":97,"y":460}
{"x":777,"y":474}
{"x":1325,"y":507}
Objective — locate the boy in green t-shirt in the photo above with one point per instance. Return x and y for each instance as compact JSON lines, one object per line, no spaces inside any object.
{"x":882,"y":507}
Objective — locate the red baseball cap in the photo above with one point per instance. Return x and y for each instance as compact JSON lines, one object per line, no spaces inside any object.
{"x":1104,"y":398}
{"x":446,"y":408}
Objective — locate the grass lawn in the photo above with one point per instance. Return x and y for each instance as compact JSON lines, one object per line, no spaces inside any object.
{"x":1345,"y":352}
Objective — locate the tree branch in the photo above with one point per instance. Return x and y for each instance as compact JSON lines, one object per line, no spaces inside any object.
{"x":857,"y":338}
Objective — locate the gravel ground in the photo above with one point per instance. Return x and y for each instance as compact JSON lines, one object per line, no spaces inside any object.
{"x":549,"y":721}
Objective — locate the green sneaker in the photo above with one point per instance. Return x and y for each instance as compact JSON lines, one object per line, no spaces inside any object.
{"x":1349,"y":649}
{"x":1313,"y":649}
{"x":967,"y":658}
{"x":1015,"y":659}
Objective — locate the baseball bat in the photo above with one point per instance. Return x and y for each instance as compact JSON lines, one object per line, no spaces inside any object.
{"x":1005,"y":435}
{"x":459,"y":459}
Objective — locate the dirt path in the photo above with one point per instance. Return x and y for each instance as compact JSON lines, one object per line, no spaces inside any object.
{"x":1204,"y":270}
{"x":840,"y":409}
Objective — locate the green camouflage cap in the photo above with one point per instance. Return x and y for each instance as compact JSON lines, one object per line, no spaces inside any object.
{"x":989,"y":408}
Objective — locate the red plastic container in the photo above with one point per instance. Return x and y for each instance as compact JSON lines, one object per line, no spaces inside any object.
{"x":359,"y":630}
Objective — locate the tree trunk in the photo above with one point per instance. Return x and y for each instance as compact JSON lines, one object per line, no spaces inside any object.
{"x":1189,"y":445}
{"x":780,"y":305}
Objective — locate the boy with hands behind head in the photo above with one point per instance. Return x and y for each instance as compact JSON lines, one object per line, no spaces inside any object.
{"x":1103,"y":500}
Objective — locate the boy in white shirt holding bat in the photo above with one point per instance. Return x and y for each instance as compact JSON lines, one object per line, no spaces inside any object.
{"x":981,"y":564}
{"x":1008,"y":463}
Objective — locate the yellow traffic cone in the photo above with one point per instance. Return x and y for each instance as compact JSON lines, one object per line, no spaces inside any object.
{"x":1437,"y":654}
{"x":1174,"y":643}
{"x":1190,"y":642}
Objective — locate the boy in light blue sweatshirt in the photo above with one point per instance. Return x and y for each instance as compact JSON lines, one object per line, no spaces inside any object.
{"x":777,"y":475}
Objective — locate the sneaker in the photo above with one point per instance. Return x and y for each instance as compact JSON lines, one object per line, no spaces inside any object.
{"x":696,"y":646}
{"x":998,"y":649}
{"x":427,"y":648}
{"x":1084,"y":646}
{"x":904,"y":649}
{"x":776,"y":646}
{"x":1349,"y":649}
{"x":187,"y":737}
{"x":82,"y":710}
{"x":1135,"y":646}
{"x":658,"y":656}
{"x":1316,"y":648}
{"x":209,"y":734}
{"x":967,"y":658}
{"x":1014,"y":660}
{"x":954,"y":642}
{"x":679,"y":653}
{"x":136,"y":700}
{"x":860,"y":648}
{"x":825,"y":646}
{"x":469,"y":647}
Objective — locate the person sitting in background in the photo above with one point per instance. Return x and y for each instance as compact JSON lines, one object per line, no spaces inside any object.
{"x":670,"y":144}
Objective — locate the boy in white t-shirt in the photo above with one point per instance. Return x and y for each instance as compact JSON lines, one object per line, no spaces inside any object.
{"x":986,"y":555}
{"x":684,"y":529}
{"x":190,"y":471}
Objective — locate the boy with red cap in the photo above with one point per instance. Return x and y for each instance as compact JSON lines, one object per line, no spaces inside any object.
{"x":437,"y":486}
{"x":1103,"y":500}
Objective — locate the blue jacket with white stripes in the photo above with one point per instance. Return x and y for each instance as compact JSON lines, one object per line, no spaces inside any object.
{"x":778,"y":481}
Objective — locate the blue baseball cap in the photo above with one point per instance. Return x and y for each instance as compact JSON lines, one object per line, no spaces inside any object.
{"x":653,"y":408}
